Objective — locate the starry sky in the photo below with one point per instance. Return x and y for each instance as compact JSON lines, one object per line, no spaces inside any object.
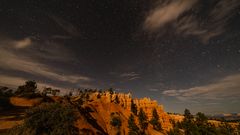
{"x":182,"y":53}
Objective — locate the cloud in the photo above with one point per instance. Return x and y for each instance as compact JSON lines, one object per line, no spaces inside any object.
{"x":67,"y":26}
{"x":167,"y":12}
{"x":192,"y":17}
{"x":11,"y":59}
{"x":153,"y":90}
{"x":23,"y":43}
{"x":11,"y":81}
{"x":130,"y":76}
{"x":14,"y":82}
{"x":227,"y":87}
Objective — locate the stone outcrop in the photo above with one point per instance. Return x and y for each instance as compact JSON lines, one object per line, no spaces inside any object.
{"x":104,"y":105}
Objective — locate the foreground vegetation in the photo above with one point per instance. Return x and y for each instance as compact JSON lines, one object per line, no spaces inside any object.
{"x":47,"y":118}
{"x":201,"y":126}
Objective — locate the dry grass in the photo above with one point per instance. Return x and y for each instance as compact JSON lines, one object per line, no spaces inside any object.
{"x":9,"y":124}
{"x":24,"y":102}
{"x":217,"y":123}
{"x":11,"y":116}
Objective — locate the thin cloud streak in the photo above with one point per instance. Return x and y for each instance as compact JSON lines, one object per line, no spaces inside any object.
{"x":14,"y":82}
{"x":66,"y":26}
{"x":227,"y":87}
{"x":130,"y":76}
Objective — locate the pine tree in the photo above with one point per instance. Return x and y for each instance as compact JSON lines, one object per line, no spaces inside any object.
{"x":142,"y":117}
{"x":133,"y":108}
{"x":155,"y":120}
{"x":87,"y":97}
{"x":133,"y":128}
{"x":202,"y":124}
{"x":98,"y":96}
{"x":188,"y":123}
{"x":174,"y":131}
{"x":116,"y":100}
{"x":111,"y":91}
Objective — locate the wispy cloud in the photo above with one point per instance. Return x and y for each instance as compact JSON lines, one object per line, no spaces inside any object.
{"x":183,"y":19}
{"x":66,"y":26}
{"x":130,"y":76}
{"x":14,"y":82}
{"x":11,"y":81}
{"x":22,"y":43}
{"x":225,"y":87}
{"x":11,"y":59}
{"x":167,"y":12}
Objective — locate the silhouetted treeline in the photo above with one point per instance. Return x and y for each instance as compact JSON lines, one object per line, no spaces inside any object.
{"x":201,"y":126}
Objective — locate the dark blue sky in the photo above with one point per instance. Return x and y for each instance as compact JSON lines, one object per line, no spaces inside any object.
{"x":185,"y":54}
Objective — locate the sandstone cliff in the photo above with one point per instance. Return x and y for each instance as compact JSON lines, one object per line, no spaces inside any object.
{"x":102,"y":107}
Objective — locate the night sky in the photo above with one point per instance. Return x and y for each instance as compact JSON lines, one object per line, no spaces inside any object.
{"x":182,"y":53}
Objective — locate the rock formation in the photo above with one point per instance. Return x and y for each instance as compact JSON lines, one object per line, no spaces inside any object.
{"x":96,"y":110}
{"x":103,"y":106}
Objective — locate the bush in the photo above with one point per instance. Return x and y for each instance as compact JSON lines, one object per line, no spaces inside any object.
{"x":133,"y":108}
{"x":226,"y":129}
{"x":28,"y":90}
{"x":116,"y":100}
{"x":174,"y":131}
{"x":155,"y":120}
{"x":200,"y":126}
{"x":48,"y":118}
{"x":116,"y":122}
{"x":6,"y":92}
{"x":143,"y":120}
{"x":133,"y":128}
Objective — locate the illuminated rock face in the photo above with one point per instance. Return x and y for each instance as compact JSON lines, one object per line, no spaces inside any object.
{"x":104,"y":106}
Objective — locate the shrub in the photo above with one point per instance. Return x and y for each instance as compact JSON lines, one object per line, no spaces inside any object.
{"x":111,"y":91}
{"x":174,"y":131}
{"x":133,"y":128}
{"x":48,"y":118}
{"x":155,"y":120}
{"x":133,"y":108}
{"x":28,"y":90}
{"x":143,"y":120}
{"x":116,"y":100}
{"x":116,"y":122}
{"x":226,"y":129}
{"x":6,"y":92}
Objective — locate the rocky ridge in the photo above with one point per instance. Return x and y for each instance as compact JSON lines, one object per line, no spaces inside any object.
{"x":103,"y":106}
